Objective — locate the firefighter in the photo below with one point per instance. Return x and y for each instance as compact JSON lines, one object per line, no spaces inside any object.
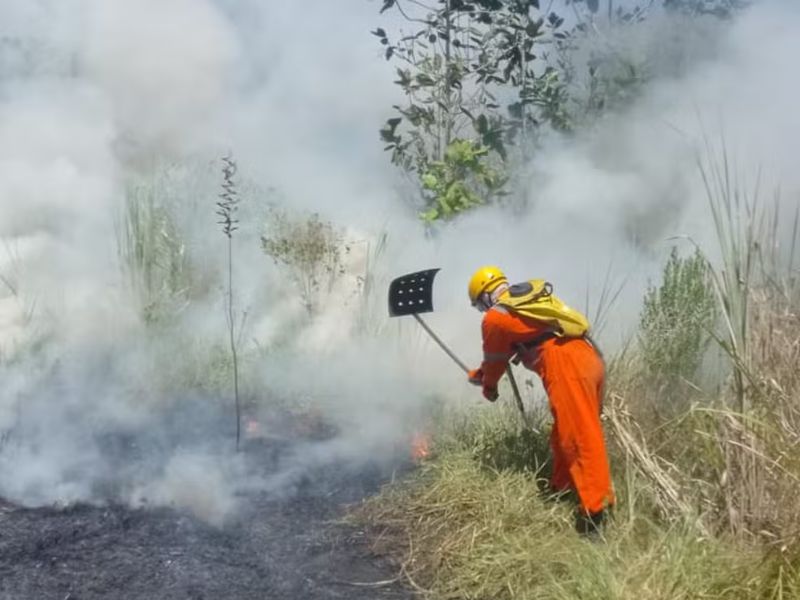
{"x":529,"y":322}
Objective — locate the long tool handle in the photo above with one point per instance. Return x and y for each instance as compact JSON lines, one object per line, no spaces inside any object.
{"x":518,"y":398}
{"x":442,"y":345}
{"x":509,"y":372}
{"x":517,"y":395}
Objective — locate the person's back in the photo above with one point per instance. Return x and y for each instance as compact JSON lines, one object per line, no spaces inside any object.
{"x":572,"y":372}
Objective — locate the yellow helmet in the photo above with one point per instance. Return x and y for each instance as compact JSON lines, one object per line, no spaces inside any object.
{"x":485,"y":279}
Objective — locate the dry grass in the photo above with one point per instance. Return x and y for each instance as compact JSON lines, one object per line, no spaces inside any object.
{"x":707,"y":495}
{"x":707,"y":475}
{"x":153,"y":255}
{"x":472,"y":533}
{"x":729,"y":458}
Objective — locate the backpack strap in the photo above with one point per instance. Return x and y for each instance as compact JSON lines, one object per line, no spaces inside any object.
{"x":524,"y":347}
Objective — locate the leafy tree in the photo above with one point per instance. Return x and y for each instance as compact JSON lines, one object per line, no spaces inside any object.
{"x":484,"y":76}
{"x":510,"y":59}
{"x":470,"y":86}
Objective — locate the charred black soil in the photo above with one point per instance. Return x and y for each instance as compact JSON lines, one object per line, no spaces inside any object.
{"x":290,"y":546}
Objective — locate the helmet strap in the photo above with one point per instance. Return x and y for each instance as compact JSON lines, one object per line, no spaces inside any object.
{"x":497,"y":292}
{"x":487,"y":300}
{"x":484,"y":302}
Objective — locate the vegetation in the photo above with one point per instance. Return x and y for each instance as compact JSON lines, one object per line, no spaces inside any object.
{"x":153,"y":254}
{"x":706,"y":480}
{"x":450,"y":182}
{"x":704,"y":453}
{"x":227,"y":206}
{"x":310,"y":250}
{"x":718,"y":8}
{"x":467,"y":72}
{"x":678,"y":319}
{"x":470,"y":532}
{"x":484,"y":79}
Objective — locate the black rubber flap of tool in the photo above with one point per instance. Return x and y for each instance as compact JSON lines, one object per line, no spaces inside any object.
{"x":412,"y":294}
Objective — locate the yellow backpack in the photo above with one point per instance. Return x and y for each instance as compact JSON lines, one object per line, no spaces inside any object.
{"x":535,"y":299}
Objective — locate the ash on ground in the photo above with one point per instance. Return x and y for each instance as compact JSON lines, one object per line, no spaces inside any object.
{"x":278,"y":546}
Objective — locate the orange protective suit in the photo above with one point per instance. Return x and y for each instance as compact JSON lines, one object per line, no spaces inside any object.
{"x":573,"y":374}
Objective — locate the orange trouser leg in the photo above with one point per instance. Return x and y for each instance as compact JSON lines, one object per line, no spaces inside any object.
{"x":574,"y":381}
{"x":560,"y":479}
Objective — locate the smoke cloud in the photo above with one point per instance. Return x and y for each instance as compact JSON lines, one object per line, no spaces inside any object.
{"x":101,"y":98}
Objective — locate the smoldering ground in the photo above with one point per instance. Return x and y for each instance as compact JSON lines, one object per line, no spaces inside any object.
{"x":276,"y":548}
{"x":97,"y":99}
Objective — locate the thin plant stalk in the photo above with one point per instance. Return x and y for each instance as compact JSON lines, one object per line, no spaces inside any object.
{"x":226,"y":210}
{"x":738,"y":245}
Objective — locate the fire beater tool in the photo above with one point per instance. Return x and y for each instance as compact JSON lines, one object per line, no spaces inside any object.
{"x":412,"y":294}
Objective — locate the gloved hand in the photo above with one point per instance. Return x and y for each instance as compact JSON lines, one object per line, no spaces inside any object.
{"x":475,"y":377}
{"x":490,"y":394}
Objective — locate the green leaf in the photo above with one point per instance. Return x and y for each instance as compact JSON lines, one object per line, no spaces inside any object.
{"x":429,"y":215}
{"x":405,"y":78}
{"x":534,"y":28}
{"x":481,"y":124}
{"x":429,"y":181}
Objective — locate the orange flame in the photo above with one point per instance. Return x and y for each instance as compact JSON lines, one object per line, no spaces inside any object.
{"x":420,"y":447}
{"x":252,"y":428}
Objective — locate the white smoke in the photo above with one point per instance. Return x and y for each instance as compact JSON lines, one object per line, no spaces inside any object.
{"x":96,"y":94}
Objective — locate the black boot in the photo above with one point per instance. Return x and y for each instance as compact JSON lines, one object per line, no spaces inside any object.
{"x":590,"y":524}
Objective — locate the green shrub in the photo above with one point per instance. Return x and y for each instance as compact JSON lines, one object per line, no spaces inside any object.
{"x":677,"y":319}
{"x":309,"y":249}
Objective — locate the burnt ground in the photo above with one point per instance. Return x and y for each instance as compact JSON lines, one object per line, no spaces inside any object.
{"x":290,"y":547}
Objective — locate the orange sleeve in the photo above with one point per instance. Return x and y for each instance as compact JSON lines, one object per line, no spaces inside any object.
{"x":501,"y":332}
{"x":497,"y":350}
